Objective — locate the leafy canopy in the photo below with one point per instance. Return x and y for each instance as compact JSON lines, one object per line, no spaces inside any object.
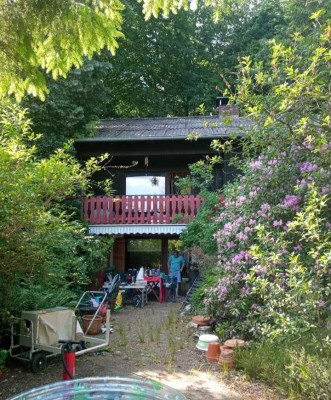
{"x":55,"y":35}
{"x":52,"y":35}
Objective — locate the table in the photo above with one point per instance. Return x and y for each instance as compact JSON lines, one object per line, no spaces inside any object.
{"x":156,"y":282}
{"x":141,"y":291}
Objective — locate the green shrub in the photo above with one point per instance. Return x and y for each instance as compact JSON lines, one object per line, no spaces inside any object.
{"x":264,"y":362}
{"x":46,"y":257}
{"x":209,"y":280}
{"x":274,"y":237}
{"x":300,"y":369}
{"x":309,"y":376}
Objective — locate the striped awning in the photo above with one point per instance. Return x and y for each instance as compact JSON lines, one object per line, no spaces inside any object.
{"x":138,"y":229}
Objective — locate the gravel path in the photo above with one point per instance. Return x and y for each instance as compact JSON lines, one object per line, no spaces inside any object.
{"x":152,"y":343}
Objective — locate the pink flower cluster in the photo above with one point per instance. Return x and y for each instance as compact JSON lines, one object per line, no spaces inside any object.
{"x":256,"y":165}
{"x":292,"y":202}
{"x":257,"y":229}
{"x":278,"y":223}
{"x":307,"y":167}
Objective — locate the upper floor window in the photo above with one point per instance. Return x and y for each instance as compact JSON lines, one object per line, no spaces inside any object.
{"x":145,"y":185}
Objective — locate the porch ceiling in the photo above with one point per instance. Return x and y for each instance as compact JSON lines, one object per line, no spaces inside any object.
{"x":137,"y":229}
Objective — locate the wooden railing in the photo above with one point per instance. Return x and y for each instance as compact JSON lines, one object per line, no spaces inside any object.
{"x":141,"y":209}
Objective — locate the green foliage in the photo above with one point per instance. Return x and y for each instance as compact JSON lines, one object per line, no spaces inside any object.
{"x":53,"y":36}
{"x":209,"y":278}
{"x":165,"y":66}
{"x":45,"y":255}
{"x":300,"y":369}
{"x":200,"y":232}
{"x":152,"y":8}
{"x":274,"y":237}
{"x":171,"y":66}
{"x":200,"y":178}
{"x":298,"y":306}
{"x":72,"y":106}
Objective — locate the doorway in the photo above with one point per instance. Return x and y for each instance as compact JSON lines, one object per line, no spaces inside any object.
{"x":145,"y":253}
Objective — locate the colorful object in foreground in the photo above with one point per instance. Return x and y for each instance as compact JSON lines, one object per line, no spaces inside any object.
{"x":119,"y":300}
{"x":103,"y":387}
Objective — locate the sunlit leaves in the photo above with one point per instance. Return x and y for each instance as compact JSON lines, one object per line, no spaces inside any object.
{"x":54,"y":36}
{"x":43,"y":250}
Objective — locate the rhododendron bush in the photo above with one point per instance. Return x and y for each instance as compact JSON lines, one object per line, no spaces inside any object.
{"x":274,"y":248}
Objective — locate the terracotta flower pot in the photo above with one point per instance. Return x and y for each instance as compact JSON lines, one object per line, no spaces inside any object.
{"x":213,"y":352}
{"x":200,"y":320}
{"x":226,"y":357}
{"x":234,"y":342}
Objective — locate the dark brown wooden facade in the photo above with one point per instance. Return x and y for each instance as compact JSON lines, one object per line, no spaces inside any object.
{"x":151,"y":147}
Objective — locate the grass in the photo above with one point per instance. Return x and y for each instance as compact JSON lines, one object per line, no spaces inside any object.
{"x":161,"y":330}
{"x":171,"y":351}
{"x":141,"y":333}
{"x":171,"y":319}
{"x":300,"y":369}
{"x":123,"y":342}
{"x":158,"y":330}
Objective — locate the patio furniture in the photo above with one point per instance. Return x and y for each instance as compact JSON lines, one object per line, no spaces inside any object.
{"x":135,"y":293}
{"x":155,"y":284}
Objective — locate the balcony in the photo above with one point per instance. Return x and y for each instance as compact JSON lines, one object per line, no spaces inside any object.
{"x":171,"y":209}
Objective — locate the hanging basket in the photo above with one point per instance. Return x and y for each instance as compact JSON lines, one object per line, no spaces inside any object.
{"x":95,"y":326}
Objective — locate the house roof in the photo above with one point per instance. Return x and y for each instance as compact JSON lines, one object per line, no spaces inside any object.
{"x":166,"y":128}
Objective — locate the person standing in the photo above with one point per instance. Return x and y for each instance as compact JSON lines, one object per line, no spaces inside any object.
{"x":175,"y":267}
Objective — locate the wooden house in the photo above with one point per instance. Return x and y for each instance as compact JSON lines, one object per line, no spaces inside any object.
{"x":147,"y":211}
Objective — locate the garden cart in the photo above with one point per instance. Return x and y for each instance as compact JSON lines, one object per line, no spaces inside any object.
{"x":36,"y":335}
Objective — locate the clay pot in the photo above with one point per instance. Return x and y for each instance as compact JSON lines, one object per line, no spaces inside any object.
{"x":226,"y":357}
{"x":200,"y":320}
{"x":234,"y":342}
{"x":213,"y":352}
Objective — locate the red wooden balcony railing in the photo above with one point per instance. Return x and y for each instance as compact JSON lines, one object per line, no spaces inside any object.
{"x":141,"y":209}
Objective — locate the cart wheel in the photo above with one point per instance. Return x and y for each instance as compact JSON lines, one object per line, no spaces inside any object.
{"x":137,"y":301}
{"x":38,"y":362}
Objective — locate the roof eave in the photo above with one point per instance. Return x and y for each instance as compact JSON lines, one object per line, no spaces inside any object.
{"x":156,"y":138}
